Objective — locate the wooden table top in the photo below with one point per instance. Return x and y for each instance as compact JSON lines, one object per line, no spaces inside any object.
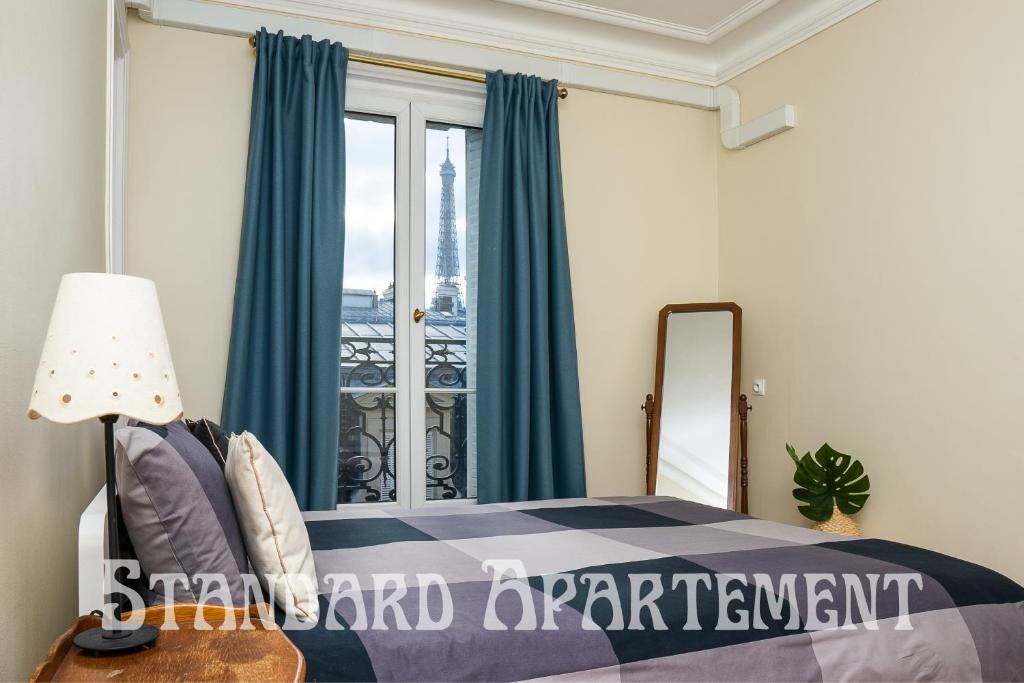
{"x":262,"y":653}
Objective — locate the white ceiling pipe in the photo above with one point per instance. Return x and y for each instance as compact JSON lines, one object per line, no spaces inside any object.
{"x":740,"y":136}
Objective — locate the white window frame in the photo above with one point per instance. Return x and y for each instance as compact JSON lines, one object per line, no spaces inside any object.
{"x":412,"y":100}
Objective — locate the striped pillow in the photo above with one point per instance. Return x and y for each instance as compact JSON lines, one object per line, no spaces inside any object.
{"x":178,"y":510}
{"x":212,"y":436}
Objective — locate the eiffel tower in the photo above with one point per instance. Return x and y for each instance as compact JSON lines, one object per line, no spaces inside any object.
{"x":447,"y":291}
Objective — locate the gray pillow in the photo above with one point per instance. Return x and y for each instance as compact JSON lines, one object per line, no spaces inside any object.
{"x":178,"y":510}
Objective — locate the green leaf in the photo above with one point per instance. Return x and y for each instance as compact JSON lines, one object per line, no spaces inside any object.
{"x":807,"y":463}
{"x":851,"y":504}
{"x":821,"y":500}
{"x":805,"y":480}
{"x":815,"y":513}
{"x":855,"y":471}
{"x":826,"y":479}
{"x":859,"y":486}
{"x":805,"y":495}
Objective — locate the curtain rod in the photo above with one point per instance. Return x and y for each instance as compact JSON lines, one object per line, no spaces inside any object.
{"x":418,"y":68}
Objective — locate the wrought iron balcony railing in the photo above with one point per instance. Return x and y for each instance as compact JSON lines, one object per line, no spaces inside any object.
{"x":367,"y":465}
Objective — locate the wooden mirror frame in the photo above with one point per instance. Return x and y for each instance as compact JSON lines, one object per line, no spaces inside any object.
{"x":737,"y":498}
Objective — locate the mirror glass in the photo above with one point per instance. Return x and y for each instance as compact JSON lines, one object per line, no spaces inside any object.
{"x":695,"y":436}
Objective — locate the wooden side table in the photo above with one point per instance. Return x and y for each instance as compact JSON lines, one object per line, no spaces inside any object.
{"x":261,"y":654}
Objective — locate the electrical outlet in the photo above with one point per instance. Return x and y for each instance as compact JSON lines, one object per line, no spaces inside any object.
{"x":759,"y":387}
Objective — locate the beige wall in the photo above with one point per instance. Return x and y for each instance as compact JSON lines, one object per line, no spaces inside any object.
{"x":640,"y":206}
{"x":188,"y":136}
{"x":642,"y":220}
{"x":51,"y":213}
{"x":876,"y":251}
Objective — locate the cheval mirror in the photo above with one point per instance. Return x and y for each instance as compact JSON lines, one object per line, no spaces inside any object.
{"x":697,"y":418}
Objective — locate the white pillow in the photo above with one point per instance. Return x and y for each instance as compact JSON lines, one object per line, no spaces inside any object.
{"x":275,"y":535}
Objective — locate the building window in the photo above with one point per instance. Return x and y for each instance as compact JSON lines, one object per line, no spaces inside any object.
{"x":408,"y":388}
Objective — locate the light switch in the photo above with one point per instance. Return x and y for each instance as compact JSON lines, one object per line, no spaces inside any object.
{"x":759,"y":387}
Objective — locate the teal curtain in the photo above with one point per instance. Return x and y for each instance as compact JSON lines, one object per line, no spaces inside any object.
{"x":283,"y":362}
{"x":530,"y":434}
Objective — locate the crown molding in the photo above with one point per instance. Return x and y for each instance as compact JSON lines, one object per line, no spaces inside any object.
{"x":243,"y":17}
{"x":569,"y":31}
{"x":503,"y":26}
{"x":741,"y":16}
{"x":810,"y":19}
{"x":537,"y":32}
{"x":752,"y":34}
{"x":583,"y":10}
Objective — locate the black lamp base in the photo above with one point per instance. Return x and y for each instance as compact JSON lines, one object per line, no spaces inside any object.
{"x":99,"y":641}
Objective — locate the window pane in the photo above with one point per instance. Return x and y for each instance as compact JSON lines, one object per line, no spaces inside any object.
{"x":451,"y":446}
{"x":366,"y":467}
{"x":452,"y":182}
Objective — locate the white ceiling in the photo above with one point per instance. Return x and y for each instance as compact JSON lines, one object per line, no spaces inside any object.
{"x":698,"y":14}
{"x":700,"y":41}
{"x":702,"y":21}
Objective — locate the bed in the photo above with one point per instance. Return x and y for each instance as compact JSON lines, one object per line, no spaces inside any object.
{"x":965,"y":622}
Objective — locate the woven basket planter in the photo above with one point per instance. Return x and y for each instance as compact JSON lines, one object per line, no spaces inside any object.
{"x":839,"y":523}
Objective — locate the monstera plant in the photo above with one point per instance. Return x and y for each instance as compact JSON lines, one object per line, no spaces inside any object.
{"x":826,"y":480}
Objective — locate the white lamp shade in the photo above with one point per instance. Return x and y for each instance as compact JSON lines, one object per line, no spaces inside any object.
{"x":106,"y":353}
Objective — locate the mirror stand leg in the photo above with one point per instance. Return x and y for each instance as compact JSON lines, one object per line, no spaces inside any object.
{"x":744,"y":408}
{"x":648,"y":408}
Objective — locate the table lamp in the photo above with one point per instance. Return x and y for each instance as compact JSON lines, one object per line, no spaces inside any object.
{"x":105,"y":355}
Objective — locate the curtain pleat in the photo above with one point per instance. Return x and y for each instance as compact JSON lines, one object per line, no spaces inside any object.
{"x":530,"y":443}
{"x":283,"y":363}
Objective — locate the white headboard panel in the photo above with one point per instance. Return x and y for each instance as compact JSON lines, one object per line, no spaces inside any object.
{"x":91,"y":542}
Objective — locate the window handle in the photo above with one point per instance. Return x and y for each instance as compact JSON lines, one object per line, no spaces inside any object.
{"x":418,"y":314}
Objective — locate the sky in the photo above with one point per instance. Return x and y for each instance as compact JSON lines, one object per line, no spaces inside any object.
{"x":370,"y":201}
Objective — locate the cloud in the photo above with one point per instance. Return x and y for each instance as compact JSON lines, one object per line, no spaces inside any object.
{"x":370,"y":201}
